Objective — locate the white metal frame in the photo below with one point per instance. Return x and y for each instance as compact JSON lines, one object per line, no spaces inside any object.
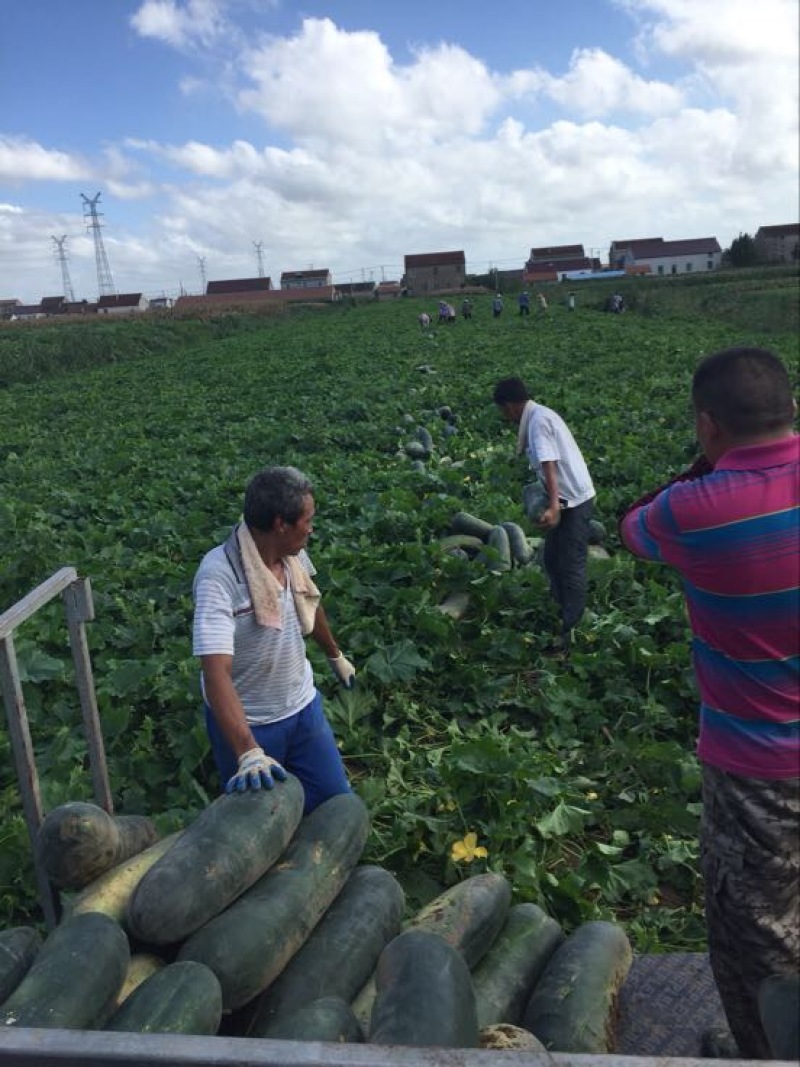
{"x":77,"y":595}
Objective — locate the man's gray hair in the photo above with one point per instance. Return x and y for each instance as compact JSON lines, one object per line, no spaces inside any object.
{"x":275,"y":493}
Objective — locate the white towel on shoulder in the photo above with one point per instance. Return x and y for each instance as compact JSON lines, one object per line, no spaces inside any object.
{"x":524,"y":422}
{"x":265,"y":589}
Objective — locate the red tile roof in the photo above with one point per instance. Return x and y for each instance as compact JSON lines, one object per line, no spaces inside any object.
{"x":633,"y":241}
{"x":658,"y":248}
{"x":558,"y":252}
{"x":322,"y":273}
{"x":239,"y":285}
{"x":435,"y":259}
{"x":120,"y":300}
{"x":577,"y":263}
{"x":790,"y":229}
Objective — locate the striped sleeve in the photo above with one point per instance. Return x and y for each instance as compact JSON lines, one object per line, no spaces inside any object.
{"x":213,"y":630}
{"x":636,"y":530}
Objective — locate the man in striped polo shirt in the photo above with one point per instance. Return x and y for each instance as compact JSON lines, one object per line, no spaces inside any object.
{"x":731,"y":528}
{"x":255,"y":603}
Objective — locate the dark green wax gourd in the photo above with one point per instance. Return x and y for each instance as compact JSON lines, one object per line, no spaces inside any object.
{"x":19,"y":946}
{"x":574,"y":1003}
{"x":497,"y":554}
{"x":77,"y":842}
{"x":597,"y":532}
{"x":455,"y":604}
{"x":249,"y":944}
{"x":468,"y":916}
{"x":326,"y":1019}
{"x":505,"y":977}
{"x":425,"y":439}
{"x":535,"y":501}
{"x":227,"y":848}
{"x":181,"y":998}
{"x":424,"y":995}
{"x":341,"y":952}
{"x":468,"y":542}
{"x":464,"y":523}
{"x":521,"y":551}
{"x":75,"y":977}
{"x":416,"y":450}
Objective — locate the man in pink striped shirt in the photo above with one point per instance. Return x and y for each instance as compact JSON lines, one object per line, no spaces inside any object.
{"x":731,"y":527}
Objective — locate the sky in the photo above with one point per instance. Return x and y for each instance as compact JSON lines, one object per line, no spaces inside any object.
{"x":228,"y":138}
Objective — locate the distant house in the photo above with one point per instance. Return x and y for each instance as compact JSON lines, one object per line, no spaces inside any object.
{"x":778,"y":244}
{"x":122,"y":304}
{"x":81,"y":307}
{"x":432,"y":272}
{"x":306,"y":279}
{"x":239,"y":285}
{"x":160,"y":303}
{"x":21,"y":312}
{"x":54,"y":305}
{"x":550,"y":253}
{"x":656,"y":256}
{"x":551,"y":263}
{"x":254,"y":300}
{"x":7,"y":307}
{"x":388,"y":290}
{"x":356,"y":290}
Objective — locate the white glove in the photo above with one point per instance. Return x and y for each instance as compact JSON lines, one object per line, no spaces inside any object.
{"x":343,"y":669}
{"x":256,"y":771}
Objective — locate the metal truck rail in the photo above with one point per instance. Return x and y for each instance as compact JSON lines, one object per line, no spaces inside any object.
{"x":89,"y":1048}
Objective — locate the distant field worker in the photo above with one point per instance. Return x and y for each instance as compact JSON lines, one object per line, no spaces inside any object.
{"x":524,"y":302}
{"x":424,"y":320}
{"x":730,"y":526}
{"x":466,"y":308}
{"x":255,"y":603}
{"x":541,"y":300}
{"x":571,"y":302}
{"x":497,"y":306}
{"x":561,"y":469}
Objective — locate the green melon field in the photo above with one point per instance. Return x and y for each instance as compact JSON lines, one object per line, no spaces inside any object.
{"x":124,"y":451}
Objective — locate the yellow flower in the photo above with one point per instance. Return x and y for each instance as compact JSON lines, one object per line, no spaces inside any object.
{"x":468,"y":850}
{"x":591,"y":796}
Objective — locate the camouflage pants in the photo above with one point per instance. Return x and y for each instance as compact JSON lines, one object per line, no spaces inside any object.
{"x":751,"y":864}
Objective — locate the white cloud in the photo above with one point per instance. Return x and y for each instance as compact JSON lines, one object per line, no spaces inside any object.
{"x":130,"y":190}
{"x":197,"y":22}
{"x":745,"y":54}
{"x":364,"y":158}
{"x":329,"y":85}
{"x":598,"y":84}
{"x":25,"y":160}
{"x":720,"y":33}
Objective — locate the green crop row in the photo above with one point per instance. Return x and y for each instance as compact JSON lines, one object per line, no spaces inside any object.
{"x":580,"y":783}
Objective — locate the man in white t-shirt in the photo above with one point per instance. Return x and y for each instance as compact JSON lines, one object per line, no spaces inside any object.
{"x":255,"y":602}
{"x":562,"y":471}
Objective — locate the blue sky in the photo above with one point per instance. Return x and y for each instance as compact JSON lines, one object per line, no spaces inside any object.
{"x":347,"y":134}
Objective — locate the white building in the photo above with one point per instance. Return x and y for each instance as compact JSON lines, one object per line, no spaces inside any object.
{"x":654,"y":255}
{"x":122,"y":304}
